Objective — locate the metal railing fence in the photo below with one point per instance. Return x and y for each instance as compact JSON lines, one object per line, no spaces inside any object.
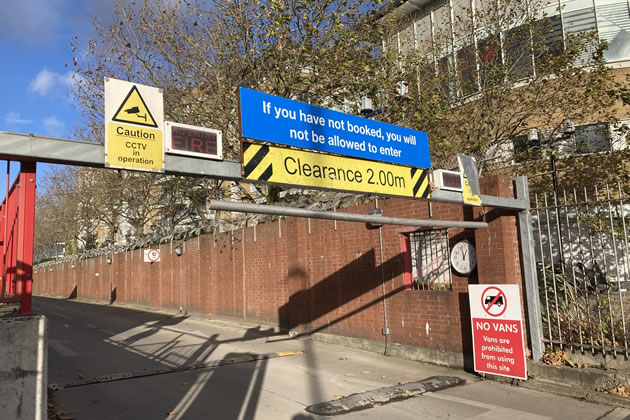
{"x":430,"y":260}
{"x":583,"y":266}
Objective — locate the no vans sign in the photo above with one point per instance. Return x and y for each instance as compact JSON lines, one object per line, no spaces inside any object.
{"x":497,"y":330}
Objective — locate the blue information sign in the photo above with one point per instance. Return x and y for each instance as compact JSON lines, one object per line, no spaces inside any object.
{"x":279,"y":120}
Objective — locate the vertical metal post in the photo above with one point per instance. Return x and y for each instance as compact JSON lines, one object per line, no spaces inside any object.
{"x":179,"y":259}
{"x":26,"y":229}
{"x":3,"y":248}
{"x":5,"y":236}
{"x":526,"y":244}
{"x":554,"y":174}
{"x":571,"y":263}
{"x":385,"y":326}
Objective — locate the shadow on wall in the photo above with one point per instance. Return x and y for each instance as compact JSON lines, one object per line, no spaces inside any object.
{"x":466,"y":331}
{"x":74,"y":293}
{"x":355,"y":279}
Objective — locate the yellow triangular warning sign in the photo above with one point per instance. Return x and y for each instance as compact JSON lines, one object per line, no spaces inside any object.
{"x":133,"y":110}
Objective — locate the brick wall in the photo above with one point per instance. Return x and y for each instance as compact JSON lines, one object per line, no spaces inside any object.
{"x":309,"y":275}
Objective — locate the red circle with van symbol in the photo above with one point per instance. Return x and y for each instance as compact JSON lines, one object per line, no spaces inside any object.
{"x":494,"y":301}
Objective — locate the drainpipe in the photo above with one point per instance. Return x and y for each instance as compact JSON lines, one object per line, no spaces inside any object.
{"x":385,"y":331}
{"x":179,"y":250}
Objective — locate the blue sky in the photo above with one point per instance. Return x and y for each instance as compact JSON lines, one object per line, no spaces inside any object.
{"x":36,"y":63}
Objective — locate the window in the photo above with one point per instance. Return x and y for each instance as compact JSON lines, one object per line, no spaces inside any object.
{"x":424,"y":36}
{"x":548,"y":42}
{"x":467,"y":70}
{"x":524,"y":150}
{"x":490,"y":69}
{"x":406,"y":42}
{"x":518,"y":53}
{"x":613,"y":23}
{"x":578,"y":17}
{"x":427,"y":263}
{"x":446,"y":76}
{"x":592,"y":138}
{"x":587,"y":139}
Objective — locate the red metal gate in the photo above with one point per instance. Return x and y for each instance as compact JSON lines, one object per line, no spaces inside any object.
{"x":17,"y":223}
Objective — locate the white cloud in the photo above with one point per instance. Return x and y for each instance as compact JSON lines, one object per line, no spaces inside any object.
{"x":54,"y":127}
{"x":15,"y":118}
{"x":43,"y":82}
{"x":49,"y":82}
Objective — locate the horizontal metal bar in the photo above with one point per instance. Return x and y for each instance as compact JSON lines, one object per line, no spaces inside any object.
{"x":348,"y":217}
{"x":31,"y":148}
{"x":586,"y":346}
{"x":453,"y":197}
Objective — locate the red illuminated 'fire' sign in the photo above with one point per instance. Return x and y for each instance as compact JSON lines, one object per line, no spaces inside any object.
{"x":194,"y":141}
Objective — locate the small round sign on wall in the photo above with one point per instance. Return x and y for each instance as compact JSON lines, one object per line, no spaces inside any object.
{"x":151,"y":255}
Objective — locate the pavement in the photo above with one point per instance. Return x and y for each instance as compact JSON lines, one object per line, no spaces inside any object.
{"x":110,"y":362}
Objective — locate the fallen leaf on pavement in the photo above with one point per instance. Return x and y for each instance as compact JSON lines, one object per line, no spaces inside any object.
{"x":619,"y":390}
{"x":336,"y":397}
{"x":403,"y":382}
{"x":81,"y":376}
{"x":348,"y":375}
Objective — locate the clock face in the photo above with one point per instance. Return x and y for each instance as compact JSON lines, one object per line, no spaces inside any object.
{"x":464,"y":257}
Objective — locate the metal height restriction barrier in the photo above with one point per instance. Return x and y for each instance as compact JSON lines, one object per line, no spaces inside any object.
{"x":17,"y":225}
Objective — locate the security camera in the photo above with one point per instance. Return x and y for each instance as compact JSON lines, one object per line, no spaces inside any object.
{"x":568,"y":126}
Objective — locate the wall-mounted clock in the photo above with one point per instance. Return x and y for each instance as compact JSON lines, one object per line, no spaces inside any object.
{"x":464,"y":257}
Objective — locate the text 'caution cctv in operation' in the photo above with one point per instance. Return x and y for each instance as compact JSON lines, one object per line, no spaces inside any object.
{"x":134,"y":126}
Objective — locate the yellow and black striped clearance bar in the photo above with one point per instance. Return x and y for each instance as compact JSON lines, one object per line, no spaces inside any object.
{"x":339,"y":151}
{"x":264,"y":163}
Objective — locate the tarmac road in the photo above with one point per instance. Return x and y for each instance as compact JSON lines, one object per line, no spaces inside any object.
{"x":118,"y":363}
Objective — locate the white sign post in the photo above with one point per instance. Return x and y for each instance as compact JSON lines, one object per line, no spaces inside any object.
{"x":497,"y":330}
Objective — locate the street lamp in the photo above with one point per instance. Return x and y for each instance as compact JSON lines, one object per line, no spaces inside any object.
{"x":568,"y":129}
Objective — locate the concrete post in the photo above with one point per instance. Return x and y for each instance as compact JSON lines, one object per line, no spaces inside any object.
{"x":24,"y":367}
